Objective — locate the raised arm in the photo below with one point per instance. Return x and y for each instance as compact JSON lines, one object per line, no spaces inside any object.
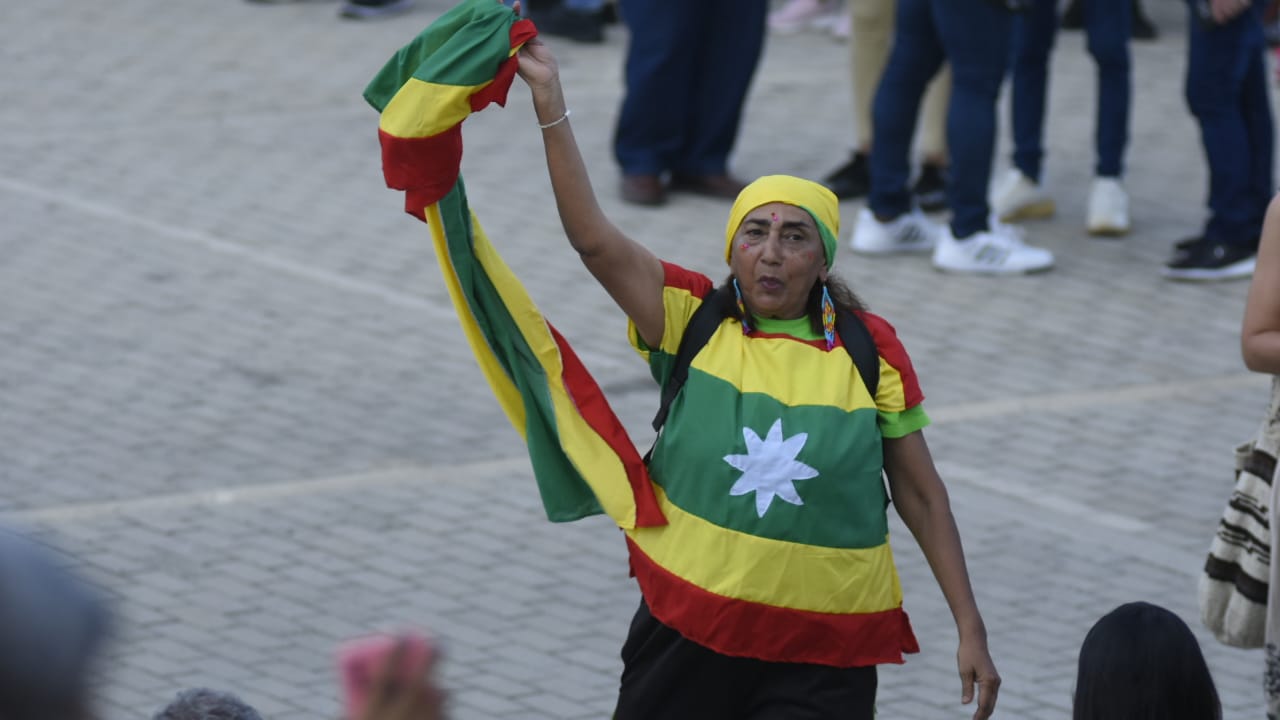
{"x":921,"y":500}
{"x":1260,"y":336}
{"x":631,"y":274}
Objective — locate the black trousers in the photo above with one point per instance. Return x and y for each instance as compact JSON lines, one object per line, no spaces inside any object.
{"x":667,"y":677}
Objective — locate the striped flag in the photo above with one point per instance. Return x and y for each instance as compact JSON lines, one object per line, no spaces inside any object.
{"x":583,"y":460}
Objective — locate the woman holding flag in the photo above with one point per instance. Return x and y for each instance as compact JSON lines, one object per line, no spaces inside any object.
{"x":770,"y":590}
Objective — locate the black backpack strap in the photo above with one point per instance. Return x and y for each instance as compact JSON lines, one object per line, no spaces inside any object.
{"x":861,"y":347}
{"x":702,"y":325}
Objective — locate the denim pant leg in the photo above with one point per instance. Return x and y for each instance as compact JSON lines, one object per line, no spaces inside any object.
{"x":1259,"y":124}
{"x":916,"y":57}
{"x":1032,"y":44}
{"x":1107,"y":26}
{"x":976,"y":35}
{"x":728,"y":52}
{"x":1223,"y":69}
{"x":661,"y":54}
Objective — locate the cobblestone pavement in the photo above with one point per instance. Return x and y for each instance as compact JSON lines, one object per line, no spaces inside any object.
{"x":233,"y":392}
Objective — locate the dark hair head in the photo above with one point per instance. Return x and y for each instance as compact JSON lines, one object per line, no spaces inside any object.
{"x":206,"y":704}
{"x":1141,"y":662}
{"x":52,"y":626}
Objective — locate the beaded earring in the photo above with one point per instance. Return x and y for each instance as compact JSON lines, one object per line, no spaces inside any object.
{"x":828,"y":318}
{"x":742,"y":307}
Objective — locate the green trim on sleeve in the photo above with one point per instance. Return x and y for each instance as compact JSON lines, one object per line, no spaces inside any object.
{"x":901,"y":424}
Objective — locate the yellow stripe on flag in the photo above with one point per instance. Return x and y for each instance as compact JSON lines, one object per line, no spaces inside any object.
{"x":591,"y":455}
{"x":505,"y":390}
{"x":423,"y":109}
{"x":774,"y":572}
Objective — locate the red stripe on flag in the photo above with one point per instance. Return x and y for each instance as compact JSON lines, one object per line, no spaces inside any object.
{"x":595,"y":410}
{"x":496,"y":92}
{"x":746,"y":629}
{"x":426,"y":167}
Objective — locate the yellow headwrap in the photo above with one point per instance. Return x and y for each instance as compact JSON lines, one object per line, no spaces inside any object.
{"x":819,"y":202}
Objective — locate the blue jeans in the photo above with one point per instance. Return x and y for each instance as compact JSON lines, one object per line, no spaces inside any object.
{"x":972,"y":35}
{"x":688,"y":68}
{"x":1107,"y":25}
{"x":1227,"y":94}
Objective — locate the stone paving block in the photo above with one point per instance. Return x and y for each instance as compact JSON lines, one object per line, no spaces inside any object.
{"x":213,"y":292}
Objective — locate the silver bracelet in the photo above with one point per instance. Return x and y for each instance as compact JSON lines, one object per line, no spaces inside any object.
{"x":555,"y":122}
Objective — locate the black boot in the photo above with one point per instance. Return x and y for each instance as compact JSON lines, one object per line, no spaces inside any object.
{"x":1073,"y":16}
{"x":1141,"y":27}
{"x":851,"y":180}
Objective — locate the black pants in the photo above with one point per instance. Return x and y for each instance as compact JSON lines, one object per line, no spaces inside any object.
{"x":667,"y":677}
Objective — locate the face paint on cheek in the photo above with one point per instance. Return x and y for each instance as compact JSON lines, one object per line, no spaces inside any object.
{"x":743,"y":246}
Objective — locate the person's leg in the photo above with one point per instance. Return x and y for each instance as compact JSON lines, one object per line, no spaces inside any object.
{"x":915,"y":59}
{"x":976,"y":36}
{"x":871,"y":38}
{"x":871,"y":33}
{"x":1107,"y":24}
{"x":1108,"y":28}
{"x":1032,"y":40}
{"x":1018,"y":193}
{"x":889,"y":223}
{"x":659,"y":65}
{"x":930,"y":188}
{"x":797,"y":691}
{"x":1220,"y":61}
{"x":1256,"y":105}
{"x":666,"y":676}
{"x":731,"y":40}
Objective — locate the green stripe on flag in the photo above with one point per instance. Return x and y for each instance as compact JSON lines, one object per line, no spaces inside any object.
{"x":565,"y":494}
{"x":459,"y":48}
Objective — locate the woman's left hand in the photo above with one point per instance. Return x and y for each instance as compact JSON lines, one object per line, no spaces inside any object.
{"x":976,"y":667}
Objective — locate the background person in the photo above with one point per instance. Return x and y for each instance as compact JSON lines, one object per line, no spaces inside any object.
{"x":1141,"y":661}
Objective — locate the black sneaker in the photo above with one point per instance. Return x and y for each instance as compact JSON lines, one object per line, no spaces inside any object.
{"x":1073,"y":16}
{"x":576,"y":25}
{"x":851,"y":180}
{"x":930,"y":189}
{"x":1206,"y":259}
{"x":1141,"y":27}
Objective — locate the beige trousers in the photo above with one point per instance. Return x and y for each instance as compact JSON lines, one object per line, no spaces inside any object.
{"x":870,"y":41}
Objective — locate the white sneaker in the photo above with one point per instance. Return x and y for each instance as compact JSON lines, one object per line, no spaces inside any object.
{"x":1108,"y":208}
{"x":998,"y":251}
{"x":1018,"y":197}
{"x":909,"y":232}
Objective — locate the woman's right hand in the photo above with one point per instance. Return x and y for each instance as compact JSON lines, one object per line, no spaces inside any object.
{"x":537,"y":65}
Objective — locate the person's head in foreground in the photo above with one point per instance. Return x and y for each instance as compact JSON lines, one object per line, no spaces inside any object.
{"x":780,"y":245}
{"x":51,"y":628}
{"x":1141,"y":662}
{"x":206,"y":704}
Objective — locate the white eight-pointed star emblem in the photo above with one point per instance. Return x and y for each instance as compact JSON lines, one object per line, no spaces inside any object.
{"x":770,"y":467}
